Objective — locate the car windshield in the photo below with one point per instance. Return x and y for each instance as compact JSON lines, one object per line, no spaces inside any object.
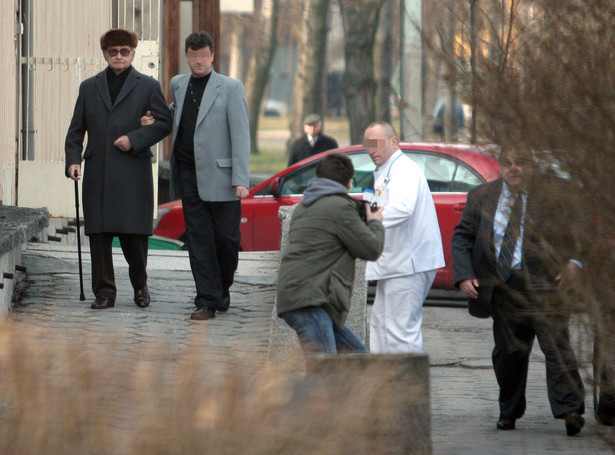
{"x":443,"y":173}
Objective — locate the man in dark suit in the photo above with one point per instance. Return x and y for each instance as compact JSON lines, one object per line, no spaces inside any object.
{"x":312,"y":142}
{"x":118,"y":194}
{"x":210,"y":171}
{"x":512,"y":256}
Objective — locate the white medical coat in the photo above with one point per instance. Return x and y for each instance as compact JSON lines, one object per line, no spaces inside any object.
{"x":413,"y":242}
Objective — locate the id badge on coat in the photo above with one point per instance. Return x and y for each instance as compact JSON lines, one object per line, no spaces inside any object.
{"x":382,"y":194}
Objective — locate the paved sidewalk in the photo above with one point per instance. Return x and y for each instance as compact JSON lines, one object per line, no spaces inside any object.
{"x":464,"y":394}
{"x":51,"y":300}
{"x":463,"y":387}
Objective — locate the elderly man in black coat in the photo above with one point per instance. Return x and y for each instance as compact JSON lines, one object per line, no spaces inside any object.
{"x":118,"y":196}
{"x":312,"y":142}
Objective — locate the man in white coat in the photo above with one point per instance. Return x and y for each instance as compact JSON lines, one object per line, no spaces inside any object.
{"x":412,"y":248}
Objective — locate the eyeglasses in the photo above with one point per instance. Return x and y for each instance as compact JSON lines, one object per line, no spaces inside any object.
{"x":124,"y":51}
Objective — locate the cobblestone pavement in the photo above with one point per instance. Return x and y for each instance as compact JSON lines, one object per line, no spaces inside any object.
{"x":50,"y":300}
{"x":463,"y":387}
{"x":464,"y":394}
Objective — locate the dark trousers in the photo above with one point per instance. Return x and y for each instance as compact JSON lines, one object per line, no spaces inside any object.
{"x":518,"y":318}
{"x":213,"y":236}
{"x":134,"y":247}
{"x":604,"y":368}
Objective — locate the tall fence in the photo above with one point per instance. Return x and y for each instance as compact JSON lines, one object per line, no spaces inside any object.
{"x":8,"y":113}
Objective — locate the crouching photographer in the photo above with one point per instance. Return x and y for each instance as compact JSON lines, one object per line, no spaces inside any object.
{"x":318,"y":264}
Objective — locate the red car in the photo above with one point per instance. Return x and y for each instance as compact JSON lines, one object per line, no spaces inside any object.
{"x":451,"y":171}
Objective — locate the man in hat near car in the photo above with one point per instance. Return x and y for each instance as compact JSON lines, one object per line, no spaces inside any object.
{"x":312,"y":142}
{"x":118,"y":196}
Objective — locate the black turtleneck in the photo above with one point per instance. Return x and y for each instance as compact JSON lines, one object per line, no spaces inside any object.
{"x":184,"y":142}
{"x":116,"y":82}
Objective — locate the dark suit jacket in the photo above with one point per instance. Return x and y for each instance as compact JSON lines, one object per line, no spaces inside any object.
{"x":118,"y":195}
{"x":547,"y":243}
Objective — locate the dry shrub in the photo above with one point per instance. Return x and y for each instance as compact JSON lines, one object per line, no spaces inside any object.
{"x":540,"y":75}
{"x":72,"y":397}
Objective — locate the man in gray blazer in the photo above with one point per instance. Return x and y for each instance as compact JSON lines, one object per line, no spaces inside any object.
{"x":210,"y":171}
{"x":118,"y":192}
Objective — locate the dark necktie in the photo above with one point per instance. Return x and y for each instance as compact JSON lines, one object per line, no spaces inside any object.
{"x":507,"y":250}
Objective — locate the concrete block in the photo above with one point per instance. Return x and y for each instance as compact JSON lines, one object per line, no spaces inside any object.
{"x":387,"y":396}
{"x":8,"y":278}
{"x":284,"y":348}
{"x":18,"y":225}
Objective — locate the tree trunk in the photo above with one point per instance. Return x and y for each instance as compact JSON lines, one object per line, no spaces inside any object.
{"x":384,"y":56}
{"x":473,"y":75}
{"x":258,"y":74}
{"x":238,"y":25}
{"x":450,"y":113}
{"x":308,"y":90}
{"x":360,"y":20}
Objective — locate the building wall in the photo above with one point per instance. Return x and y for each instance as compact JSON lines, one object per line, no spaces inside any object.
{"x":61,"y":48}
{"x":8,"y":113}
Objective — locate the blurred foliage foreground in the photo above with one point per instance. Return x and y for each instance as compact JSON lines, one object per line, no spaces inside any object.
{"x":63,"y":398}
{"x":547,"y":84}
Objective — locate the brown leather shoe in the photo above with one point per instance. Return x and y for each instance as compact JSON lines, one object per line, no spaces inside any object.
{"x":203,"y":314}
{"x":142,"y":297}
{"x":103,"y":302}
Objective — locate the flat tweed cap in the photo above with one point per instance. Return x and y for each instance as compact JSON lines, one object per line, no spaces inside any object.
{"x":311,"y":118}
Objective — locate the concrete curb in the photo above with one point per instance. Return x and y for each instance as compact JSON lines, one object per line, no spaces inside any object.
{"x":18,"y":225}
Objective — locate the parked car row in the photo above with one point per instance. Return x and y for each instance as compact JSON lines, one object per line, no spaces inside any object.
{"x":451,"y":171}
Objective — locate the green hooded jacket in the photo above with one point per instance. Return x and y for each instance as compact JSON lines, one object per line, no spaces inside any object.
{"x":325,"y":238}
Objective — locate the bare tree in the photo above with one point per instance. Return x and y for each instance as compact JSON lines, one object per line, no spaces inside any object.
{"x":359,"y":84}
{"x":384,"y":53}
{"x":432,"y":61}
{"x":239,"y":53}
{"x":544,"y":79}
{"x":258,"y":74}
{"x":308,"y":84}
{"x":451,"y":121}
{"x":473,"y":55}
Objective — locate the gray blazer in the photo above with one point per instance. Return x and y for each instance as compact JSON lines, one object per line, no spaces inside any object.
{"x":221,"y":138}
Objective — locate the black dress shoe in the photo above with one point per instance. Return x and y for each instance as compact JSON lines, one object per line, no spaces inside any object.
{"x":103,"y":302}
{"x":203,"y":314}
{"x":225,"y":303}
{"x":142,"y":297}
{"x":605,"y":411}
{"x":574,"y":422}
{"x":506,"y":423}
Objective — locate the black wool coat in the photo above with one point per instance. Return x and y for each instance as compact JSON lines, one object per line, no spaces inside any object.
{"x":301,"y":148}
{"x":118,"y":194}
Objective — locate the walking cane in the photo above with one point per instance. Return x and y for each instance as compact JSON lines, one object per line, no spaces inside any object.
{"x":82,"y":296}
